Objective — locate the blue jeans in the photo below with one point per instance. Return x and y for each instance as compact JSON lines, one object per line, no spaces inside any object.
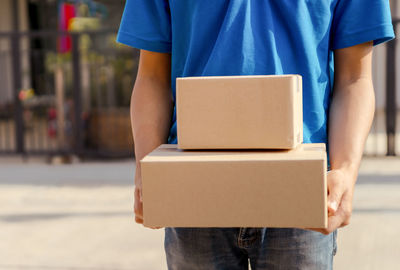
{"x":235,"y":248}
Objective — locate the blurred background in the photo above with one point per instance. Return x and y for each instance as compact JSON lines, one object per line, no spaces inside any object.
{"x":66,"y":150}
{"x":64,"y":94}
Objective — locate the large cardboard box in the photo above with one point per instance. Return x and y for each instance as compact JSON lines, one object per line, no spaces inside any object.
{"x":239,"y":112}
{"x":259,"y":188}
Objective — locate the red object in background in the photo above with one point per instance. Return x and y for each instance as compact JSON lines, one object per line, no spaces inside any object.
{"x":52,"y":123}
{"x":66,"y":13}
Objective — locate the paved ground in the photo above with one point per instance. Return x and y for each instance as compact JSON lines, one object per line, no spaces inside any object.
{"x":78,"y":217}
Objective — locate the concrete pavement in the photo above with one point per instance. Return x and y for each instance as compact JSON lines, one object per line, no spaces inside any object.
{"x":79,"y":217}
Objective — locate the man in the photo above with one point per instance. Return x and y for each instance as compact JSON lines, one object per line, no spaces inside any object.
{"x":328,"y":42}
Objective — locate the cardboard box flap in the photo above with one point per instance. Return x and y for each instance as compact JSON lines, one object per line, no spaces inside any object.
{"x":313,"y":147}
{"x":170,"y":153}
{"x":240,"y":77}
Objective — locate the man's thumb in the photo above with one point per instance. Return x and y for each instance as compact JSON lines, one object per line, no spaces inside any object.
{"x":141,"y":196}
{"x":138,"y":193}
{"x":334,"y":197}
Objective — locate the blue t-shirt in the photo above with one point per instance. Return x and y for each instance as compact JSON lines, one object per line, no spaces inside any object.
{"x":258,"y":37}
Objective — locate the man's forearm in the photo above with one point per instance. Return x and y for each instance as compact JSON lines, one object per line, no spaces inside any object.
{"x":151,"y":111}
{"x":351,"y":115}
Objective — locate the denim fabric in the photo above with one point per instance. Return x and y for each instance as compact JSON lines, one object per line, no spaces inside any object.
{"x":236,"y":248}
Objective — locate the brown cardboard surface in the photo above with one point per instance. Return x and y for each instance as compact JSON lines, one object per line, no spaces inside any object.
{"x":239,"y":112}
{"x":259,"y":188}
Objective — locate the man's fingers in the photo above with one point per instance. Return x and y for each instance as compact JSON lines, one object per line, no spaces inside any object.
{"x":138,"y":207}
{"x":334,"y":197}
{"x":138,"y":215}
{"x":323,"y":231}
{"x":138,"y":184}
{"x":346,"y":208}
{"x":139,"y":193}
{"x":335,"y":192}
{"x":340,"y":192}
{"x":334,"y":222}
{"x":138,"y":220}
{"x":339,"y":219}
{"x":154,"y":228}
{"x":138,"y":210}
{"x":138,"y":200}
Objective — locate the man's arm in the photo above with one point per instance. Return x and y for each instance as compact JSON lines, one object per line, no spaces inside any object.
{"x":151,"y":112}
{"x":350,"y":118}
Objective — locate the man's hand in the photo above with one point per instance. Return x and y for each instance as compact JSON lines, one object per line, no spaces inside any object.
{"x":340,"y":197}
{"x":138,"y":206}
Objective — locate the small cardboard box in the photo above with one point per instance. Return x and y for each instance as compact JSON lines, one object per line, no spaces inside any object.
{"x":259,"y":188}
{"x":239,"y":112}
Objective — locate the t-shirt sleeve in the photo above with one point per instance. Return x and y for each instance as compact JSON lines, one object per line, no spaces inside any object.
{"x":146,"y":24}
{"x":359,"y":21}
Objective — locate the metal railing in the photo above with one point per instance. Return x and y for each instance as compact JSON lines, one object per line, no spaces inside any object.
{"x":82,"y":104}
